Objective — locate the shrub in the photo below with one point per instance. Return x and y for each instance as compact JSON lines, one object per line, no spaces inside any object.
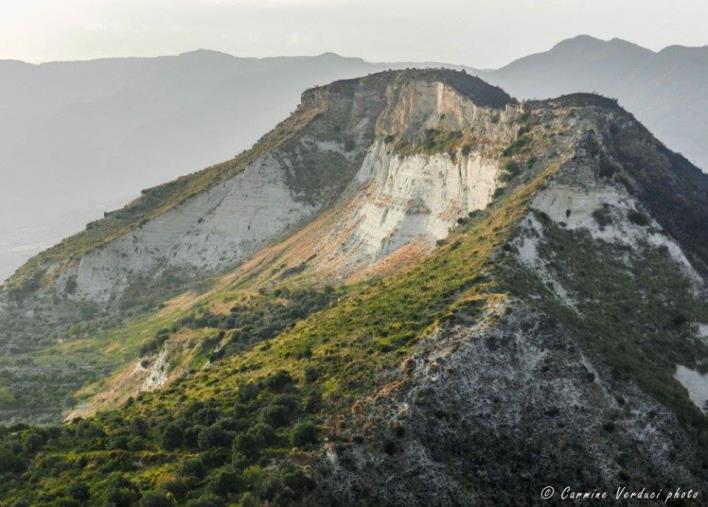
{"x":191,"y":436}
{"x":214,"y":436}
{"x":303,"y":434}
{"x":297,"y":481}
{"x":263,"y":434}
{"x":244,"y":445}
{"x":225,"y":481}
{"x":177,"y":487}
{"x":511,"y":169}
{"x":638,"y":218}
{"x":311,"y":374}
{"x":276,"y":415}
{"x":207,"y":500}
{"x":193,"y":468}
{"x":121,"y":492}
{"x":79,"y":491}
{"x":278,"y":381}
{"x":172,"y":436}
{"x":64,"y":501}
{"x":155,"y":499}
{"x":602,"y":217}
{"x":10,"y":462}
{"x":33,"y":440}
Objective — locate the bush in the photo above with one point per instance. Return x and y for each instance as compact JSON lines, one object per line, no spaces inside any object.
{"x":638,"y":218}
{"x":263,"y":434}
{"x":10,"y":462}
{"x":311,"y":373}
{"x":602,"y":217}
{"x":208,"y":500}
{"x":213,"y":437}
{"x":177,"y":487}
{"x":276,"y":415}
{"x":193,"y":469}
{"x":64,"y":501}
{"x":155,"y":499}
{"x":191,"y":436}
{"x":33,"y":440}
{"x":79,"y":491}
{"x":172,"y":436}
{"x":511,"y":169}
{"x":297,"y":481}
{"x":121,"y":492}
{"x":225,"y":481}
{"x":303,"y":434}
{"x":278,"y":381}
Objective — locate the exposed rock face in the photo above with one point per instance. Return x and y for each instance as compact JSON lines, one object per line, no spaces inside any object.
{"x":541,"y":388}
{"x":416,"y":196}
{"x":569,"y":381}
{"x":492,"y":408}
{"x":338,"y":147}
{"x":206,"y":233}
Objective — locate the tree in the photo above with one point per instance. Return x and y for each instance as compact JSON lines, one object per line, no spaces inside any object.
{"x":303,"y":434}
{"x":172,"y":436}
{"x":214,"y":436}
{"x":155,"y":499}
{"x":225,"y":481}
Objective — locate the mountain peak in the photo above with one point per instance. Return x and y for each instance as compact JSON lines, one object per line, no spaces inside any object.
{"x":205,"y":53}
{"x":585,"y":43}
{"x":471,"y":87}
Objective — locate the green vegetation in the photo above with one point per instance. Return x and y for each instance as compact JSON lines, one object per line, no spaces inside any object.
{"x":261,"y":318}
{"x":631,"y":307}
{"x":432,"y":141}
{"x":518,"y":147}
{"x":239,"y":427}
{"x":510,"y":170}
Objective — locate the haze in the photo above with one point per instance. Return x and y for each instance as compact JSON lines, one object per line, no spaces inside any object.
{"x":480,"y":33}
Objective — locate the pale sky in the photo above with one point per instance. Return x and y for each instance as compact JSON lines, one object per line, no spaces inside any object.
{"x":479,"y":33}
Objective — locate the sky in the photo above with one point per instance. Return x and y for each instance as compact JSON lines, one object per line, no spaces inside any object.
{"x":478,"y":33}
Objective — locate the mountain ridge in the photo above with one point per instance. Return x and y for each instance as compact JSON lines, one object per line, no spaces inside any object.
{"x":645,"y":82}
{"x":475,"y":282}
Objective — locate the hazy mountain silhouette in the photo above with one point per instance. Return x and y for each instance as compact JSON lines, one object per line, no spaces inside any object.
{"x":668,"y":90}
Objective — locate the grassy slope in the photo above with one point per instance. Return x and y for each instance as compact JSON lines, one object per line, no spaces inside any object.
{"x":334,"y":357}
{"x":633,"y":308}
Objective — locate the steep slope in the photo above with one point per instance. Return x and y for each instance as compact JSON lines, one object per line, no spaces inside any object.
{"x":356,"y":147}
{"x":665,"y":90}
{"x":78,"y":138}
{"x":549,"y":334}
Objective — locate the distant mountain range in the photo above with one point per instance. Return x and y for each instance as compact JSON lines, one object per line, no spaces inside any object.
{"x":79,"y":138}
{"x":667,"y":91}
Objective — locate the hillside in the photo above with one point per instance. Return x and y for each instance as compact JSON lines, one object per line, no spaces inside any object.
{"x":413,"y":291}
{"x":79,"y":138}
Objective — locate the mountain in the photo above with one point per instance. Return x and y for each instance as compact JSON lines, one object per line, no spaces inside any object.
{"x":414,"y":290}
{"x":666,"y":90}
{"x":80,"y":138}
